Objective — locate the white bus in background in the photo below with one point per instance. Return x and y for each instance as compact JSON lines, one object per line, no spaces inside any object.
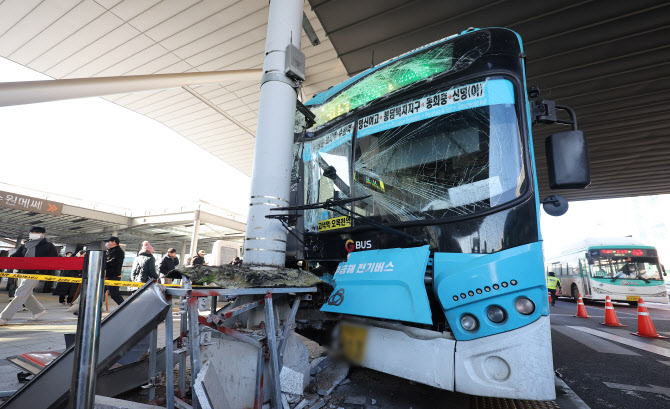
{"x":223,"y":252}
{"x":623,"y":268}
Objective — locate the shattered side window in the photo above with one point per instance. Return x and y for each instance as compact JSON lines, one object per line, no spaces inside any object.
{"x":327,"y":164}
{"x":450,"y":153}
{"x":447,"y":57}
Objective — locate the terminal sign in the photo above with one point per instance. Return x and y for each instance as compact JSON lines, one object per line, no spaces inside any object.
{"x":30,"y":204}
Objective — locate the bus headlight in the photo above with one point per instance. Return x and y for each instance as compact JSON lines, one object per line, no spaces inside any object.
{"x":495,"y":314}
{"x":524,"y":306}
{"x":469,"y":322}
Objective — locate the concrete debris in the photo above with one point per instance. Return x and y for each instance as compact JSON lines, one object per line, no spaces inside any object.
{"x":103,"y":402}
{"x":209,"y":389}
{"x":294,"y":375}
{"x":293,"y":398}
{"x":229,"y":276}
{"x":355,"y":402}
{"x":284,"y":401}
{"x":305,"y":402}
{"x":292,"y":381}
{"x":319,"y":404}
{"x":328,"y":379}
{"x":318,"y":364}
{"x":346,"y":381}
{"x":373,"y":401}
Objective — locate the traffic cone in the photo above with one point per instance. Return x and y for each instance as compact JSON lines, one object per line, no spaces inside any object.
{"x":611,"y":319}
{"x":550,"y":300}
{"x":645,"y":328}
{"x":581,"y":310}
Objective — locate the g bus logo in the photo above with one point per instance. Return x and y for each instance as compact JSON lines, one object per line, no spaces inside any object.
{"x":351,"y":245}
{"x":337,"y":298}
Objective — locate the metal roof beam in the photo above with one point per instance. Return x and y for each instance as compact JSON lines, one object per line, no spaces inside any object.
{"x":31,"y":92}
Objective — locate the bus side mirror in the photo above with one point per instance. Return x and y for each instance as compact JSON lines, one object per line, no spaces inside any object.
{"x":555,"y":205}
{"x":568,"y":160}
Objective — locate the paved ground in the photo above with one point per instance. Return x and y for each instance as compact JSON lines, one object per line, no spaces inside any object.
{"x":608,"y":367}
{"x":46,"y":334}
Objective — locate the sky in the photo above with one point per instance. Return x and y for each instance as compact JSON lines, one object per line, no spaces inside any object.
{"x":98,"y":151}
{"x":94,"y":150}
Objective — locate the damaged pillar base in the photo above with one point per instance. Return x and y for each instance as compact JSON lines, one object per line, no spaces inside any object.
{"x":294,"y":375}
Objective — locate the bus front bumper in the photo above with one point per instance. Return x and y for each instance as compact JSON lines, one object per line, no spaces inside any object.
{"x":517,"y":364}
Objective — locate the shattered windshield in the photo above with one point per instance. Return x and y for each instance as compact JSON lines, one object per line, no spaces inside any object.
{"x":450,"y":153}
{"x":644,"y":269}
{"x":427,"y":64}
{"x":327,"y":164}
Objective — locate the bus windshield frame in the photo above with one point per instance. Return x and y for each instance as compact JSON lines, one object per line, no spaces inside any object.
{"x":341,"y":138}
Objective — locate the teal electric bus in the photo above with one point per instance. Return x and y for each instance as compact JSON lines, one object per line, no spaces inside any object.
{"x":415,"y":194}
{"x":622,"y":268}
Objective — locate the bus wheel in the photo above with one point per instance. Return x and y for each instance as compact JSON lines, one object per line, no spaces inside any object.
{"x":632,"y":303}
{"x":575,"y":292}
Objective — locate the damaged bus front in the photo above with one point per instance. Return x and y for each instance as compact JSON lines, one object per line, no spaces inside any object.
{"x":415,"y":194}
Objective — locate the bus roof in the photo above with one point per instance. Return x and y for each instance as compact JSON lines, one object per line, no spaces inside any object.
{"x":602,"y":242}
{"x":324,"y":96}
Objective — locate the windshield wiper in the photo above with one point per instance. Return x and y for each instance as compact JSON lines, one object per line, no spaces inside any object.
{"x":332,"y":204}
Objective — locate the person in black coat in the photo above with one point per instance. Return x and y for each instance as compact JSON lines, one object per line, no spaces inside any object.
{"x":113,"y":266}
{"x":37,"y":246}
{"x":144,"y":269}
{"x":67,"y":290}
{"x":199,"y":259}
{"x":168,"y":263}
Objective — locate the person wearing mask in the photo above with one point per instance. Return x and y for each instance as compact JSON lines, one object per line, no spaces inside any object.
{"x":199,"y":259}
{"x":113,"y":265}
{"x":144,"y":269}
{"x":66,"y":291}
{"x":37,"y":246}
{"x":167,"y":264}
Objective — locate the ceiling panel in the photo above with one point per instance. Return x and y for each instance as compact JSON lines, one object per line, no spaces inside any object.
{"x":610,"y":63}
{"x":71,"y":39}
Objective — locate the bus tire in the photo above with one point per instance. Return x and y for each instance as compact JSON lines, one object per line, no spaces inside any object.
{"x":575,"y":292}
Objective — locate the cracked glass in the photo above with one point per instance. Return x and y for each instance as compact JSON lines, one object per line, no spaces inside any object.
{"x":449,"y":153}
{"x":404,"y":71}
{"x":327,"y":164}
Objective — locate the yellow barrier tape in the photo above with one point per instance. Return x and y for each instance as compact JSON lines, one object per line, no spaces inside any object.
{"x":111,"y":283}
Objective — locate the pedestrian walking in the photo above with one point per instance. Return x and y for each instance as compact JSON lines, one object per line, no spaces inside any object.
{"x":74,"y":307}
{"x":66,"y":291}
{"x":168,"y":263}
{"x":199,"y":259}
{"x":113,"y":266}
{"x":37,"y":246}
{"x":144,"y":269}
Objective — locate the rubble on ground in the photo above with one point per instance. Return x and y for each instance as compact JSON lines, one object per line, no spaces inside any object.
{"x":235,"y":277}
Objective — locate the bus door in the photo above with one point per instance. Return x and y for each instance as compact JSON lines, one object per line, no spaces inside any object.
{"x":585,"y":276}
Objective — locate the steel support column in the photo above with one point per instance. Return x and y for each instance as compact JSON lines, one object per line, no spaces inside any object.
{"x":196,"y":232}
{"x":265,"y":242}
{"x":87,"y":342}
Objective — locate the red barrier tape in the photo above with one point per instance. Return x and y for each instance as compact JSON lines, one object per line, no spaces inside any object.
{"x":42,"y":263}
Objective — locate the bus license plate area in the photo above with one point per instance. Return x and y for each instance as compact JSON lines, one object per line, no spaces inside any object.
{"x":353,"y":339}
{"x":632,"y":297}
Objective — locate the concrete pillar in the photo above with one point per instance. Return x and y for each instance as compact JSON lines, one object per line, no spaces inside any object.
{"x":196,"y":231}
{"x":265,"y":242}
{"x":183,"y":255}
